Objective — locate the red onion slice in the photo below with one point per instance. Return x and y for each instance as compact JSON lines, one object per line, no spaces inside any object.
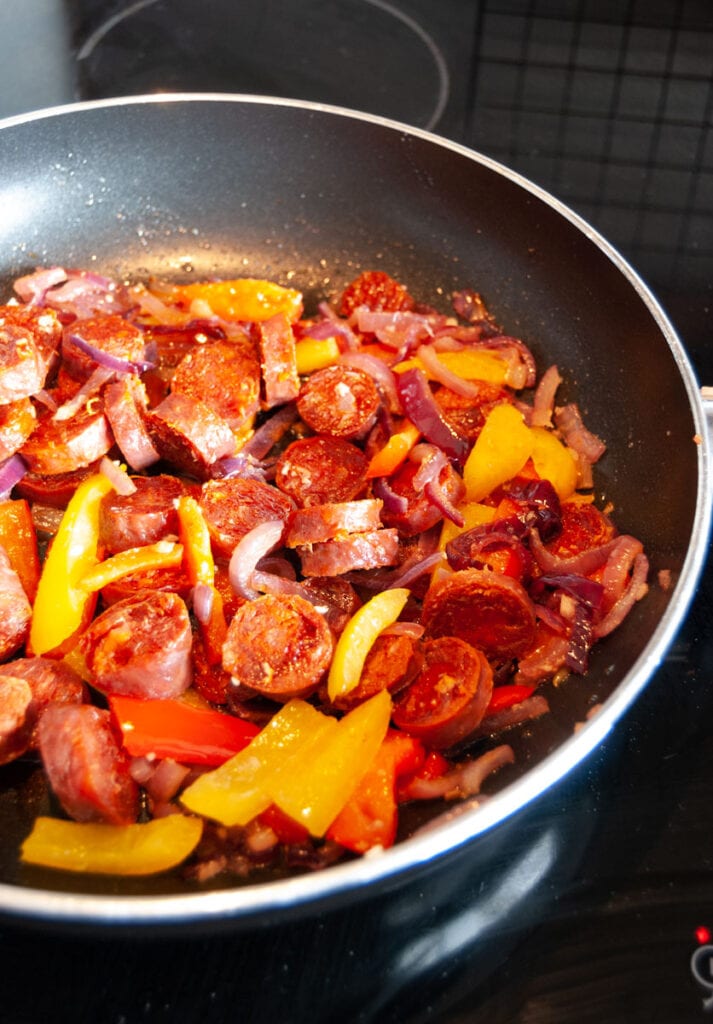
{"x":108,"y":361}
{"x":203,"y":597}
{"x":429,"y":357}
{"x":421,"y":408}
{"x":395,"y":504}
{"x":381,"y":374}
{"x":586,"y":444}
{"x":94,"y":384}
{"x":32,"y":288}
{"x":117,"y":476}
{"x":634,"y":592}
{"x":270,"y":432}
{"x":544,"y":400}
{"x":12,"y":471}
{"x":257,"y":543}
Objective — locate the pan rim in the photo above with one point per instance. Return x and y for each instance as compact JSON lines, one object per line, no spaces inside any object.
{"x":295,"y":895}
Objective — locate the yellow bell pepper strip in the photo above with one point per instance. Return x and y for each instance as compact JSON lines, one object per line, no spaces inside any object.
{"x":501,"y":450}
{"x":388,"y":459}
{"x":243,"y":299}
{"x":238,"y":790}
{"x":161,"y":555}
{"x":181,"y":731}
{"x":474,"y":514}
{"x":19,"y":539}
{"x":470,"y":364}
{"x":370,"y":816}
{"x":145,"y":849}
{"x":200,"y":568}
{"x":314,"y":792}
{"x":315,"y":353}
{"x":358,"y":636}
{"x":554,"y":461}
{"x":62,"y":602}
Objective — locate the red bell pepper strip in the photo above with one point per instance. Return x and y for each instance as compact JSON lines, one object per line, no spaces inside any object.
{"x":18,"y":537}
{"x":370,"y":817}
{"x":505,"y":697}
{"x":286,"y":829}
{"x":182,"y":731}
{"x":432,"y":767}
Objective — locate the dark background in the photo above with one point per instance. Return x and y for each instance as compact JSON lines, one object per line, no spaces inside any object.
{"x":597,"y":896}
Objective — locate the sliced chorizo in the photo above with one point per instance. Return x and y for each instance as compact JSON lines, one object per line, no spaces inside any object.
{"x":15,"y":610}
{"x":373,"y":550}
{"x":50,"y":682}
{"x":125,"y":404}
{"x":376,"y":290}
{"x":61,"y":446}
{"x":52,"y":489}
{"x":279,"y":647}
{"x":172,"y":578}
{"x":141,"y":647}
{"x":226,"y":376}
{"x":28,"y":338}
{"x":486,"y":609}
{"x":393,"y":662}
{"x":466,"y":415}
{"x":87,"y":768}
{"x":16,"y":720}
{"x":189,"y":435}
{"x":17,"y":421}
{"x":584,"y":526}
{"x":317,"y":470}
{"x":232,"y":507}
{"x":335,"y":598}
{"x":335,"y":519}
{"x":278,"y":361}
{"x":110,"y":334}
{"x":447,"y":700}
{"x":143,"y":517}
{"x":339,"y":401}
{"x":420,"y":514}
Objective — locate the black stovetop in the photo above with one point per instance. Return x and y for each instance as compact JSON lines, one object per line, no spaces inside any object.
{"x":607,"y":906}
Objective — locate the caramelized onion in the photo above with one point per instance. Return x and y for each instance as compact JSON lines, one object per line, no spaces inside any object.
{"x":421,"y":408}
{"x":247,"y":553}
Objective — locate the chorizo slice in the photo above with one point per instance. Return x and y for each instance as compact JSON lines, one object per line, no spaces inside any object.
{"x":393,"y":662}
{"x":16,"y":720}
{"x":141,"y":647}
{"x":376,"y":290}
{"x":335,"y":598}
{"x":466,"y":415}
{"x":279,"y":647}
{"x":486,"y":609}
{"x":142,"y":517}
{"x":125,"y":404}
{"x":85,"y":765}
{"x":17,"y":421}
{"x":447,"y":700}
{"x":189,"y":435}
{"x":15,"y":610}
{"x":226,"y":376}
{"x":339,"y":401}
{"x":373,"y":550}
{"x":168,"y":578}
{"x":584,"y":526}
{"x":278,"y":361}
{"x":52,"y":489}
{"x":325,"y":522}
{"x":420,"y":514}
{"x":28,"y":338}
{"x":111,"y":334}
{"x":318,"y":470}
{"x":61,"y":446}
{"x":50,"y":682}
{"x":232,"y":507}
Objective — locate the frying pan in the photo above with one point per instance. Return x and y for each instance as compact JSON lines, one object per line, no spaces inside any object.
{"x":193,"y":186}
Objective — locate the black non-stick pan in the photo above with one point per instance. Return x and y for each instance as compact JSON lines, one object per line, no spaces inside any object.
{"x":188,"y":187}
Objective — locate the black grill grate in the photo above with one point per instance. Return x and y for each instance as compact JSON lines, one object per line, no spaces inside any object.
{"x":608,"y":104}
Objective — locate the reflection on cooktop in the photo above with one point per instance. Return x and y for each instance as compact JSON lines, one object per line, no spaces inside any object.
{"x":320,"y":50}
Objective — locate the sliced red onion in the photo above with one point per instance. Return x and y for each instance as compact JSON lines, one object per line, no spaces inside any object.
{"x":46,"y":399}
{"x":415,"y":571}
{"x":464,"y":780}
{"x":438,"y":497}
{"x":257,"y":543}
{"x":431,"y":461}
{"x":166,"y":780}
{"x":552,"y":619}
{"x":637,"y":589}
{"x":270,"y":432}
{"x":429,"y":357}
{"x":203,"y":596}
{"x":421,"y":408}
{"x":569,"y":422}
{"x":161,"y":312}
{"x":33,"y":288}
{"x":341,"y":327}
{"x":395,"y":504}
{"x":401,"y":330}
{"x":91,"y":387}
{"x":522,"y":372}
{"x":109,"y":361}
{"x":412,"y":629}
{"x":526,"y":711}
{"x":580,"y":640}
{"x":240,"y":465}
{"x":583,"y":590}
{"x":580,"y":565}
{"x":469,"y":305}
{"x":12,"y":471}
{"x":380,"y":373}
{"x":117,"y":476}
{"x":544,"y":399}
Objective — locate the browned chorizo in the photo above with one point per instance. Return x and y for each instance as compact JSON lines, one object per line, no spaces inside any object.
{"x":50,"y":681}
{"x":110,"y":334}
{"x":420,"y":514}
{"x":28,"y":338}
{"x":17,"y":421}
{"x":61,"y":446}
{"x":278,"y":361}
{"x":226,"y":376}
{"x":447,"y":700}
{"x":189,"y":435}
{"x":279,"y":647}
{"x":486,"y":609}
{"x":125,"y":404}
{"x":339,"y":401}
{"x":232,"y":507}
{"x":16,"y":721}
{"x":372,"y":550}
{"x":317,"y":470}
{"x":392,"y":663}
{"x":143,"y":517}
{"x":335,"y":519}
{"x":15,"y":609}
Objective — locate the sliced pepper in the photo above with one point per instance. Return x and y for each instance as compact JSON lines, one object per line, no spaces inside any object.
{"x":238,"y":791}
{"x":200,"y":568}
{"x":244,"y":299}
{"x":470,"y":364}
{"x":19,"y":539}
{"x":176,"y":729}
{"x":501,"y":450}
{"x":315,"y":353}
{"x":161,"y":555}
{"x":145,"y":849}
{"x":358,"y":636}
{"x":388,"y":459}
{"x":62,"y":602}
{"x":554,"y":461}
{"x":507,"y":696}
{"x":474,"y":514}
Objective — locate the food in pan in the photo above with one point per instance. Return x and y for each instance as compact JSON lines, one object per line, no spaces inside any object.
{"x":267,"y":577}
